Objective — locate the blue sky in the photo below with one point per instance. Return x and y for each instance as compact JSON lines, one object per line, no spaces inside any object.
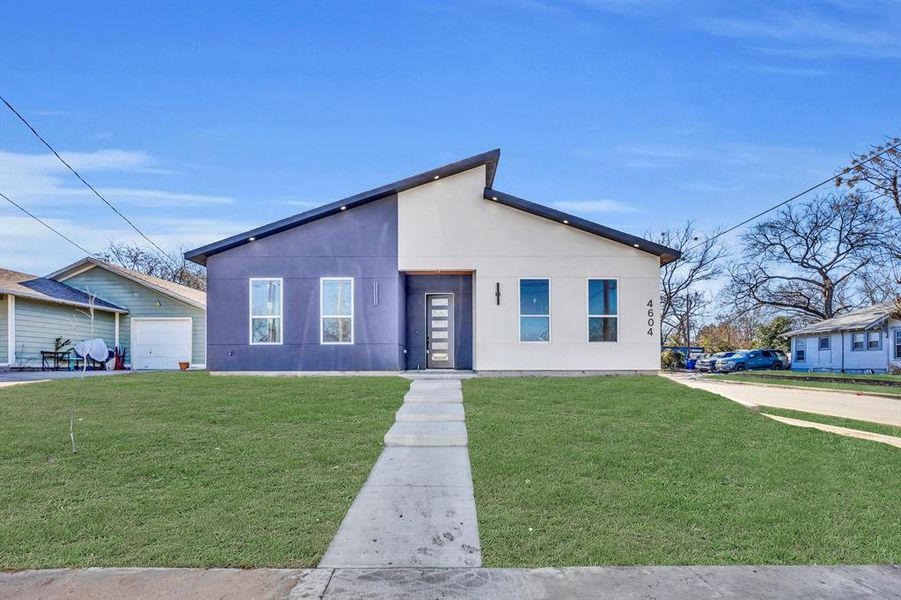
{"x":201,"y":120}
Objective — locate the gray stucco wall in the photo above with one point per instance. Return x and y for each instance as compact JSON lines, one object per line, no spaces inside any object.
{"x":417,"y":286}
{"x":359,"y":243}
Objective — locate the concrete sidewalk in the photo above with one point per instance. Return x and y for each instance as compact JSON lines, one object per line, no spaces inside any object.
{"x":594,"y":583}
{"x":417,"y":508}
{"x":876,"y":409}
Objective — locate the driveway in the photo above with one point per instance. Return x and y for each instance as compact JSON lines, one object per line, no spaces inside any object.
{"x":876,"y":409}
{"x":8,"y":377}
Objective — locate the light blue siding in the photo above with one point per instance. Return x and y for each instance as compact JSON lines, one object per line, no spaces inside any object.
{"x":4,"y":332}
{"x":38,"y":324}
{"x":142,"y":302}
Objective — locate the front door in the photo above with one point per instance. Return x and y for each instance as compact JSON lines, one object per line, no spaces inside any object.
{"x":439,"y":331}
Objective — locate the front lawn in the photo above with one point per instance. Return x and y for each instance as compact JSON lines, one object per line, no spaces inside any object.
{"x":769,"y":379}
{"x":645,"y":471}
{"x":185,"y":469}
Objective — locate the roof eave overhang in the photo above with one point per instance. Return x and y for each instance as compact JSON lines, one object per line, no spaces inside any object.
{"x":487,"y":159}
{"x":666,"y":255}
{"x":120,"y":310}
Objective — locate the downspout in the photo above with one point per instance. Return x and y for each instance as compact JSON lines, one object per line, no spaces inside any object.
{"x":843,"y":351}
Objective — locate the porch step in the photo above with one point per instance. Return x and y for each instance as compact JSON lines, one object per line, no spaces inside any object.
{"x":430,"y":412}
{"x":442,"y":433}
{"x":421,"y":385}
{"x":434,"y":396}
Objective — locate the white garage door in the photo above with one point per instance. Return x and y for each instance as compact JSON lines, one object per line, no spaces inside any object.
{"x":160,"y":343}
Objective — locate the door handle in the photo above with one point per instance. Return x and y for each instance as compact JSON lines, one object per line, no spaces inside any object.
{"x":428,"y":345}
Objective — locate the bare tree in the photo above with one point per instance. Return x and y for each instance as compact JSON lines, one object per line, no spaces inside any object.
{"x":876,"y":173}
{"x":682,"y":299}
{"x":809,"y":259}
{"x":173,"y":267}
{"x":877,"y":170}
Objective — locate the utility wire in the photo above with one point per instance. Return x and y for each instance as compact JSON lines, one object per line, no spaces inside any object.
{"x":795,"y":197}
{"x":82,"y":179}
{"x":44,"y":223}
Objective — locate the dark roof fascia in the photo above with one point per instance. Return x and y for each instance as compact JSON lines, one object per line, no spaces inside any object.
{"x":666,"y":254}
{"x":488,"y":159}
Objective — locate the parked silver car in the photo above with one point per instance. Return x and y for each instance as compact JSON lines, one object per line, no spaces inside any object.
{"x":708,"y":362}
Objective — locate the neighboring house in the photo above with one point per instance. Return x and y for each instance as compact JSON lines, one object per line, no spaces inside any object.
{"x":166,"y":322}
{"x":35,"y":311}
{"x":866,"y":340}
{"x":436,"y":271}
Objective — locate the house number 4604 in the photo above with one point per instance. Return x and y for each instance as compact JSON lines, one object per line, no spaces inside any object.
{"x":650,"y":317}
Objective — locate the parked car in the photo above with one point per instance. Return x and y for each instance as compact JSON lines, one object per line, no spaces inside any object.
{"x":752,"y":360}
{"x":708,"y":361}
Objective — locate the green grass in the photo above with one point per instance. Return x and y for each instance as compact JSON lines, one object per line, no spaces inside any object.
{"x":185,"y":469}
{"x":828,"y":385}
{"x":644,"y":471}
{"x":837,"y":421}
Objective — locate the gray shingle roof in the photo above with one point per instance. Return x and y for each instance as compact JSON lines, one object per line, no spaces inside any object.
{"x":24,"y":285}
{"x":864,"y":318}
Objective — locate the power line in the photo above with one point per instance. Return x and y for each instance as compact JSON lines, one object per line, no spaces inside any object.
{"x":44,"y":223}
{"x":82,"y":179}
{"x":795,"y":197}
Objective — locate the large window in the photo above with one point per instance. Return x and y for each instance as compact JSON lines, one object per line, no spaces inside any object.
{"x":602,"y":310}
{"x":535,"y":310}
{"x":336,"y":310}
{"x":800,"y":350}
{"x":858,"y":341}
{"x":898,"y":343}
{"x":824,"y":343}
{"x":265,"y":311}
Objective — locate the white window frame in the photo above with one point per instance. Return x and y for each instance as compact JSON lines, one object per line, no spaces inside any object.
{"x":828,"y":346}
{"x":588,"y":281}
{"x":322,"y":316}
{"x":280,"y":317}
{"x":550,"y":309}
{"x":800,"y":344}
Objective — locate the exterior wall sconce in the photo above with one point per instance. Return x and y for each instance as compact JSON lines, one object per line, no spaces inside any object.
{"x":497,"y":292}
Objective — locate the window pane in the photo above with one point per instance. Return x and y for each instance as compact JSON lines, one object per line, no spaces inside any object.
{"x":266,"y":331}
{"x":337,"y":330}
{"x":602,"y":329}
{"x":824,"y":343}
{"x":873,"y":340}
{"x":265,"y":298}
{"x":534,"y":329}
{"x":336,"y":297}
{"x":534,"y":297}
{"x":601,"y":297}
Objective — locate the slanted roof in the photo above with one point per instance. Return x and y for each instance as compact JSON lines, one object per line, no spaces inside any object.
{"x":858,"y":320}
{"x":488,"y":159}
{"x":666,"y":254}
{"x":23,"y":285}
{"x":182,"y":293}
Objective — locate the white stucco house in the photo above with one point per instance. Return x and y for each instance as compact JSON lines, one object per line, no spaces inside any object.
{"x":862,"y":341}
{"x":439,"y":270}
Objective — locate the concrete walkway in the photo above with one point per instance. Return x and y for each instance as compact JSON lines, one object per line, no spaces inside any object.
{"x":876,"y":409}
{"x":417,"y":508}
{"x":855,"y":433}
{"x":595,"y":583}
